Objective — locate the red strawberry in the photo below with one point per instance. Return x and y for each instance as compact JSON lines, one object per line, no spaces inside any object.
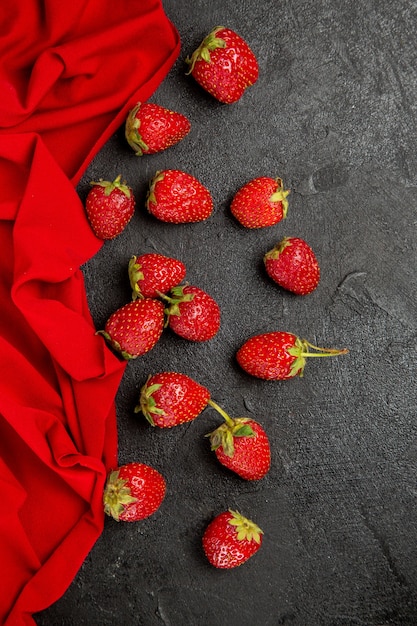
{"x":293,"y":265}
{"x":261,"y":202}
{"x":278,"y":355}
{"x":192,"y":313}
{"x":109,"y":207}
{"x":241,"y":445}
{"x":178,"y":198}
{"x":168,"y":399}
{"x":231,"y":539}
{"x":152,"y":274}
{"x":151,"y":128}
{"x":132,"y":492}
{"x":135,"y":328}
{"x":224,"y":65}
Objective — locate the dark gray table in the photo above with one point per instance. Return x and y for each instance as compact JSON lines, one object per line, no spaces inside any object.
{"x":333,"y":114}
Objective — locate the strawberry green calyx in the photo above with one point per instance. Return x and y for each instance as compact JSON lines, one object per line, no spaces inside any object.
{"x":246,"y":530}
{"x":278,"y":249}
{"x":135,"y":274}
{"x":301,"y":350}
{"x":177,"y":297}
{"x":159,"y":175}
{"x":147,"y":404}
{"x":110,"y":186}
{"x":116,"y":496}
{"x":209,"y":43}
{"x":116,"y":345}
{"x":133,"y":137}
{"x":223,"y":436}
{"x":280,"y":195}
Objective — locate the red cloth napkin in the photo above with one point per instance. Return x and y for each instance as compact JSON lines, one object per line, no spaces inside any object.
{"x":68,"y":76}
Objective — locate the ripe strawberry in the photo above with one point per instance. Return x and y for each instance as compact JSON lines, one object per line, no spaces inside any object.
{"x":178,"y":198}
{"x":151,"y":128}
{"x":241,"y":445}
{"x":278,"y":355}
{"x":168,"y":399}
{"x":152,"y":274}
{"x":135,"y":328}
{"x":133,"y":491}
{"x":231,"y":539}
{"x":192,"y":313}
{"x":293,"y":265}
{"x":109,"y":207}
{"x":224,"y":65}
{"x":261,"y":202}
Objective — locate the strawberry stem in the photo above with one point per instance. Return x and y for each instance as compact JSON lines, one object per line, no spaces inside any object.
{"x":322,"y":351}
{"x":229,"y":421}
{"x":223,"y":436}
{"x":300,"y":350}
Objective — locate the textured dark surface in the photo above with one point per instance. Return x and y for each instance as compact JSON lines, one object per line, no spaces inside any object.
{"x":334,"y":115}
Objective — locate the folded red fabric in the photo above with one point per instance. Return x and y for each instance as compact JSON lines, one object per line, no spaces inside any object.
{"x":69,"y":74}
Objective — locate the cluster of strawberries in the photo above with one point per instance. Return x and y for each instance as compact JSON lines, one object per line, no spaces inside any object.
{"x":225,"y":66}
{"x":159,"y":301}
{"x":135,"y":490}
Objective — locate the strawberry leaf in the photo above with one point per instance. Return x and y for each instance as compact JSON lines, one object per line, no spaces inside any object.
{"x":116,"y":496}
{"x":147,"y":404}
{"x":243,"y":431}
{"x":209,"y":43}
{"x":135,"y":275}
{"x":246,"y":530}
{"x":222,"y":437}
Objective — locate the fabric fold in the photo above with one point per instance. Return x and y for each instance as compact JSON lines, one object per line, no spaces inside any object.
{"x":69,"y":74}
